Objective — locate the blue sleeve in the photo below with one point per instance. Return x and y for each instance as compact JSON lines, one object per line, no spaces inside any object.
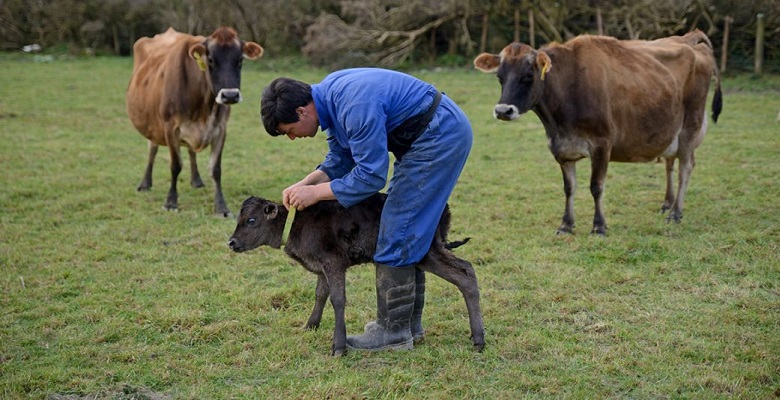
{"x":367,"y":135}
{"x":338,"y":162}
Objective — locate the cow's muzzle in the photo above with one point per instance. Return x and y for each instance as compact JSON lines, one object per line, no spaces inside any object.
{"x":229,"y":96}
{"x":506,"y":112}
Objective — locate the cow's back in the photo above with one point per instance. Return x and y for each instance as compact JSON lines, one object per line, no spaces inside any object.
{"x":626,"y":92}
{"x":159,"y":93}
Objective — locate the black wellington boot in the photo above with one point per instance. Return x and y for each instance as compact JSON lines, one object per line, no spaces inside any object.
{"x":395,"y":288}
{"x":418,"y":333}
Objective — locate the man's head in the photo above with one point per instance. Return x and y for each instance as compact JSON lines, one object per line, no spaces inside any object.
{"x":287,"y":108}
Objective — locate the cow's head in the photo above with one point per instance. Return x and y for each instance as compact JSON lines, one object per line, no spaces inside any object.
{"x":521,"y":71}
{"x":260,"y":222}
{"x":220,"y":56}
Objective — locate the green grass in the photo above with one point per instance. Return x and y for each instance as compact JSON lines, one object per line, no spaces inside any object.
{"x":106,"y":295}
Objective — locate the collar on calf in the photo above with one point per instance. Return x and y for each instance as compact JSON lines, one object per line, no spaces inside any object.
{"x":288,"y":225}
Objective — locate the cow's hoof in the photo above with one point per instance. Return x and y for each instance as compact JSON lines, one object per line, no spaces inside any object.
{"x":478,"y":347}
{"x":564,"y":231}
{"x":197,"y":183}
{"x":172,"y":208}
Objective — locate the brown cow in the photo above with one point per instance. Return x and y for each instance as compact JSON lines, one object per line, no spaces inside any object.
{"x":612,"y":100}
{"x":180,"y":93}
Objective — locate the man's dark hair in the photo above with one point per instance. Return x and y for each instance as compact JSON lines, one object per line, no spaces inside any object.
{"x":279,"y":101}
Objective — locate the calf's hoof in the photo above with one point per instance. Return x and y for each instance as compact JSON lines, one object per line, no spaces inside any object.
{"x":338,"y":352}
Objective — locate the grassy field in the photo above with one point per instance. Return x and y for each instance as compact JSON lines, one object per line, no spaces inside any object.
{"x":105,"y":295}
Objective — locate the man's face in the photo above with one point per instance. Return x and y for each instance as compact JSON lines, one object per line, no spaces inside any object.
{"x":307,"y":124}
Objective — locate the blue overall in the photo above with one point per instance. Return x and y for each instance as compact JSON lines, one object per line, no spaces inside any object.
{"x":357,"y":108}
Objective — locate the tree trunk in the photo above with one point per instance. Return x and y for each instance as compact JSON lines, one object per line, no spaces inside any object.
{"x":483,"y":38}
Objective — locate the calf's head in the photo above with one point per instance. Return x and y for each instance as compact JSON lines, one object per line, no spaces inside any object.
{"x":521,"y":71}
{"x":221,"y":56}
{"x":260,"y":222}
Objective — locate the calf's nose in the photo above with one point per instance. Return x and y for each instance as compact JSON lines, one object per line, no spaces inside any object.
{"x":232,"y":243}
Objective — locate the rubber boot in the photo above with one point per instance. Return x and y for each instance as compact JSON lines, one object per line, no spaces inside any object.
{"x":418,"y":333}
{"x":395,"y":288}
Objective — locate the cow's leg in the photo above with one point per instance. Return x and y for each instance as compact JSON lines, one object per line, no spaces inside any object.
{"x":687,"y":162}
{"x":320,"y":298}
{"x":146,"y":181}
{"x":460,"y":273}
{"x":171,"y":202}
{"x":215,"y":162}
{"x":569,"y":170}
{"x":338,"y":299}
{"x":669,"y":197}
{"x":599,"y":164}
{"x":195,"y":180}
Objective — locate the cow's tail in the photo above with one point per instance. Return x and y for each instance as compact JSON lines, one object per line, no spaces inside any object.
{"x":717,"y":99}
{"x":694,"y":38}
{"x":456,"y":244}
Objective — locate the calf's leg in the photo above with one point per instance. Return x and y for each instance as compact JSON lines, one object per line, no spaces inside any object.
{"x":460,"y":273}
{"x":320,"y":298}
{"x":338,"y":299}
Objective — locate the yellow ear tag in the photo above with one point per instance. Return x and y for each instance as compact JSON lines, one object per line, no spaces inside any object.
{"x":544,"y":70}
{"x":199,"y":60}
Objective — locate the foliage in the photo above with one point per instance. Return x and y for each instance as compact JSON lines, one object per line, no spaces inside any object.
{"x":107,"y":296}
{"x":340,"y":33}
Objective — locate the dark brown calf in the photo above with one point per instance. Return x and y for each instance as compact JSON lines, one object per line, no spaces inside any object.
{"x":327,"y":238}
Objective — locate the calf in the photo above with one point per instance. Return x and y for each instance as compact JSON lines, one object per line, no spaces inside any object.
{"x":327,"y":238}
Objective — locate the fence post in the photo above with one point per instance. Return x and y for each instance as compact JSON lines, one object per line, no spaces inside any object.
{"x":725,"y":50}
{"x":759,"y":64}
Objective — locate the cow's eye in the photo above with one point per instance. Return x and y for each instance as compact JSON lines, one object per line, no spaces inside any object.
{"x":527,"y":78}
{"x":211,"y":62}
{"x":251,"y":221}
{"x":240,"y":62}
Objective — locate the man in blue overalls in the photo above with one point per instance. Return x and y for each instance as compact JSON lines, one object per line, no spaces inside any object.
{"x":367,"y":113}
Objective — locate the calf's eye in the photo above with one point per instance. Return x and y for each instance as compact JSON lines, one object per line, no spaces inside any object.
{"x":251,"y":221}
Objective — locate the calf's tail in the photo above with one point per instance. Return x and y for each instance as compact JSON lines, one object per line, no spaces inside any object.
{"x":456,"y":244}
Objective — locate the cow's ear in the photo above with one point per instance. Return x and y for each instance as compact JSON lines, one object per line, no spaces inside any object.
{"x":487,"y":62}
{"x":252,"y":50}
{"x":270,"y":211}
{"x":544,"y":63}
{"x":198,"y":53}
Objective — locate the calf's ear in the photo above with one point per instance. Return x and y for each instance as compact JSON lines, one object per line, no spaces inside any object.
{"x":252,"y":50}
{"x":544,"y":63}
{"x":487,"y":62}
{"x":270,"y":211}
